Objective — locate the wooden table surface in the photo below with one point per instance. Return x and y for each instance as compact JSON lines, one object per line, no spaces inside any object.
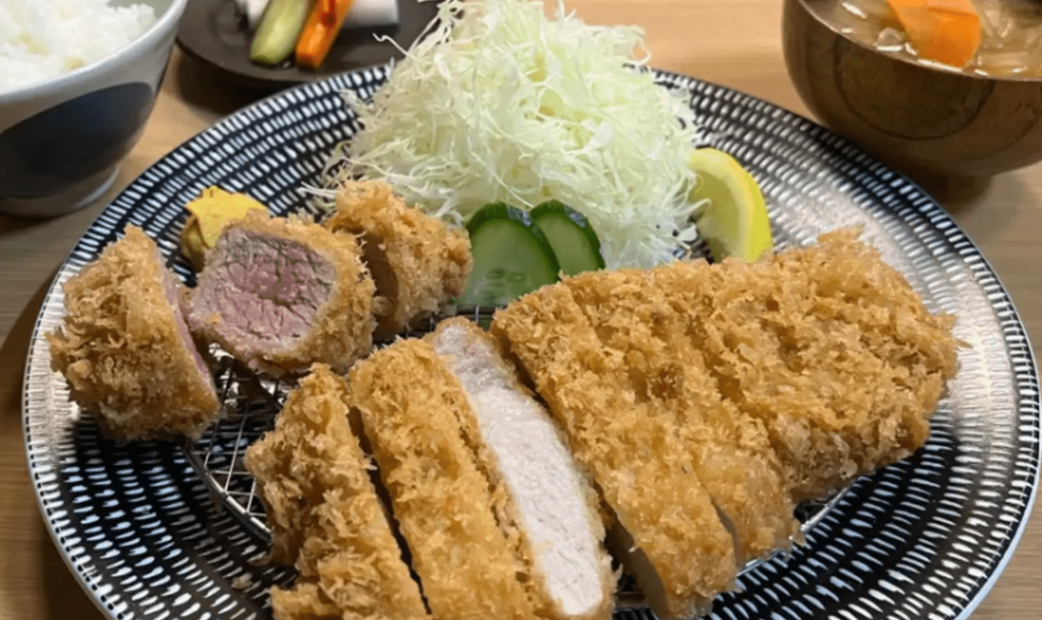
{"x":732,"y":42}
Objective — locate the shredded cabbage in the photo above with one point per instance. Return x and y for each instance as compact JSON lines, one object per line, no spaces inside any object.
{"x":503,"y":103}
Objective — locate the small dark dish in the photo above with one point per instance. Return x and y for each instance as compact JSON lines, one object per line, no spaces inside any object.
{"x":213,"y":32}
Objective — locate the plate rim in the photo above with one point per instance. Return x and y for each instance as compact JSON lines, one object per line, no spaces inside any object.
{"x":927,"y":206}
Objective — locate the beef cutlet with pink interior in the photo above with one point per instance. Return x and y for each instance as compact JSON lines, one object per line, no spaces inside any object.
{"x":125,"y":350}
{"x":281,"y":294}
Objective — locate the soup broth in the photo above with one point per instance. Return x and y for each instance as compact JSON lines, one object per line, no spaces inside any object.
{"x":1011,"y":33}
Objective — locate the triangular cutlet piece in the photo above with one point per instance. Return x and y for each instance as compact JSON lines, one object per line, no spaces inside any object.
{"x":125,"y":350}
{"x":732,"y":455}
{"x":669,"y":535}
{"x":828,"y":346}
{"x":550,"y":503}
{"x":409,"y":404}
{"x":324,"y":514}
{"x":419,"y":264}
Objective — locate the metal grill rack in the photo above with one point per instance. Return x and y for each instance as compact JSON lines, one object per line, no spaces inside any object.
{"x":250,"y":404}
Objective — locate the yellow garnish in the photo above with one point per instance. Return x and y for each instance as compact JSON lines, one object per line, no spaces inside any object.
{"x":733,"y":216}
{"x":209,"y":214}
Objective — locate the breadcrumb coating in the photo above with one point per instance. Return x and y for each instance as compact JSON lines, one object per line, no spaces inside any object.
{"x":828,"y":346}
{"x":684,"y":554}
{"x":732,"y":455}
{"x":419,"y":264}
{"x":408,"y":401}
{"x":124,"y":349}
{"x":508,"y":510}
{"x":324,"y":514}
{"x":341,"y":331}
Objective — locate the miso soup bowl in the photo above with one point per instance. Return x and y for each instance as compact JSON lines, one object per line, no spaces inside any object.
{"x":62,"y":140}
{"x":916,"y":117}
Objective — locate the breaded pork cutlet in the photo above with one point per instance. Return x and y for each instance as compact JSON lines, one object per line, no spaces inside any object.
{"x":324,"y":514}
{"x":419,"y":264}
{"x":668,"y":534}
{"x":281,"y":294}
{"x":828,"y":346}
{"x":551,"y":504}
{"x":408,"y":402}
{"x":731,"y":452}
{"x":125,"y":350}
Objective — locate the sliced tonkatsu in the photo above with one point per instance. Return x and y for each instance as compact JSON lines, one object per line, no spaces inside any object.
{"x":324,"y":514}
{"x":550,"y":502}
{"x":668,"y":534}
{"x":828,"y":346}
{"x":731,"y":453}
{"x":408,"y":403}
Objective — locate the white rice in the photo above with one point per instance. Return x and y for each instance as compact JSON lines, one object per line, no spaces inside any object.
{"x":43,"y":39}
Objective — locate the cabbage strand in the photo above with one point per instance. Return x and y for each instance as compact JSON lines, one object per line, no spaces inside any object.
{"x":502,"y":103}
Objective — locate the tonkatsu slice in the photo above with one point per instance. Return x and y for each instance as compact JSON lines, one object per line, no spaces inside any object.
{"x":669,"y":535}
{"x":324,"y":513}
{"x":419,"y":264}
{"x":732,"y":455}
{"x":281,"y":294}
{"x":409,"y":404}
{"x":551,"y":504}
{"x":125,"y":350}
{"x":828,"y":346}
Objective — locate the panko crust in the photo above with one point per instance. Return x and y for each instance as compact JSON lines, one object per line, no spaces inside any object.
{"x":643,"y":470}
{"x":407,"y":400}
{"x":535,"y":581}
{"x":324,"y":513}
{"x":419,"y":263}
{"x":828,"y":346}
{"x":342,"y":330}
{"x":121,"y":347}
{"x":732,"y":455}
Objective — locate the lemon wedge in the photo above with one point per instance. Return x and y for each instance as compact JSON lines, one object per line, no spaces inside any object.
{"x":734,"y":219}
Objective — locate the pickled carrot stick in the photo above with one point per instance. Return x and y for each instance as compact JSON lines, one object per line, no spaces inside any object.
{"x":321,"y":31}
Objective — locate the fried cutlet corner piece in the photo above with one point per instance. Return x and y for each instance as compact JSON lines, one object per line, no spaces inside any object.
{"x":281,"y":294}
{"x":668,"y":535}
{"x":419,"y":264}
{"x":324,"y":513}
{"x":551,"y":504}
{"x":733,"y":457}
{"x":124,"y":348}
{"x":828,"y":346}
{"x":408,"y":402}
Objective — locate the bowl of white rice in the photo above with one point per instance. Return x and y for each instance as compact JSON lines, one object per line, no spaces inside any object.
{"x":78,"y":81}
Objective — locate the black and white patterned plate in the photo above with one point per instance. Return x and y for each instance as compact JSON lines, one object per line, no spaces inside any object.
{"x":925,"y":539}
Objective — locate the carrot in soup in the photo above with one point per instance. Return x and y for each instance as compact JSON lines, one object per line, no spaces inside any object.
{"x":946,"y":31}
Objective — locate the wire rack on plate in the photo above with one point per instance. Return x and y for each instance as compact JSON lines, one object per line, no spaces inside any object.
{"x":250,"y":405}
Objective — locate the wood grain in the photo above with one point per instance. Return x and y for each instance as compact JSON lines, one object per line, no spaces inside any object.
{"x":732,"y":42}
{"x":908,"y":114}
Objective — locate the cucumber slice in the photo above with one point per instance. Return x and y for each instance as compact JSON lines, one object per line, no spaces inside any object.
{"x":512,"y":256}
{"x":279,"y":30}
{"x":573,"y":239}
